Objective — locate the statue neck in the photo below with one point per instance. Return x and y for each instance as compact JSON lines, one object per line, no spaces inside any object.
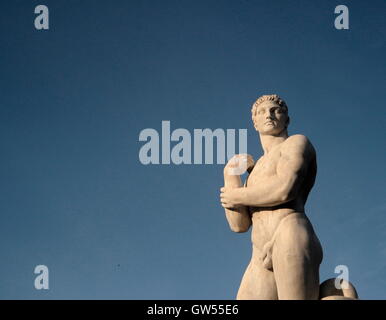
{"x":270,"y":141}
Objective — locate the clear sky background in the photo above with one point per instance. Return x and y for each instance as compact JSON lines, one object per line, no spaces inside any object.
{"x":73,"y":194}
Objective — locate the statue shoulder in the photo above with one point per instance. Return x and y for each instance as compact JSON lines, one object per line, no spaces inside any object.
{"x":300,"y":144}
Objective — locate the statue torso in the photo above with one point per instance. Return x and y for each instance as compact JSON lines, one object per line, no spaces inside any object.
{"x":265,"y":220}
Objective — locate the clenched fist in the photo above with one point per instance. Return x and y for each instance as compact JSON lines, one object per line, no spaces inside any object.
{"x":239,"y":164}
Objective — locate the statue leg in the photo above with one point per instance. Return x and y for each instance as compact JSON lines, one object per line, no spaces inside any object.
{"x":258,"y":283}
{"x":296,"y":256}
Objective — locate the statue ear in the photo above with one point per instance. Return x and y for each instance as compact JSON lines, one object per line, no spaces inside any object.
{"x":287,"y":122}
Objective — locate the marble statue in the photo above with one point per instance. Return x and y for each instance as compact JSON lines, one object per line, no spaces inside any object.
{"x":286,"y":252}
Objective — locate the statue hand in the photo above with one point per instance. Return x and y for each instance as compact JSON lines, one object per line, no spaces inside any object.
{"x":230,"y":197}
{"x":239,"y":164}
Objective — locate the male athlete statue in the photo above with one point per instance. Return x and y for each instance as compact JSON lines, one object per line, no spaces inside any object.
{"x":286,"y":251}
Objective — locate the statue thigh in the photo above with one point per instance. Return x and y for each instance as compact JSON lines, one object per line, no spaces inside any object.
{"x":258,"y":283}
{"x":296,"y":257}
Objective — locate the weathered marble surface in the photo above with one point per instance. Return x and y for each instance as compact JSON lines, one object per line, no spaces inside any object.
{"x":286,"y":252}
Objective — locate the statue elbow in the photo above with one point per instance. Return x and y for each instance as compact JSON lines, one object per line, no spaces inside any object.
{"x":290,"y":187}
{"x":287,"y":196}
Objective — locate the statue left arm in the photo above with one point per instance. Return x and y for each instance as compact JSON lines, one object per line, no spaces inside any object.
{"x":295,"y":157}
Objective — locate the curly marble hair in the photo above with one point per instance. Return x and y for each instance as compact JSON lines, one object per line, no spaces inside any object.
{"x":268,"y":97}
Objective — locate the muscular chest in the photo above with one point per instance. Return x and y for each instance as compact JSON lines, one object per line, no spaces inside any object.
{"x":264,"y":168}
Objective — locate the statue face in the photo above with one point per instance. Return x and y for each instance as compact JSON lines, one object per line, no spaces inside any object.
{"x":270,"y":118}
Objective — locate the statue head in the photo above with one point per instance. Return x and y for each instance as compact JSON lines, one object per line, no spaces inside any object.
{"x":270,"y":115}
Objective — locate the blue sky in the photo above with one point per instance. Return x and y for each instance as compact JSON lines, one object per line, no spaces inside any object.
{"x":73,"y":100}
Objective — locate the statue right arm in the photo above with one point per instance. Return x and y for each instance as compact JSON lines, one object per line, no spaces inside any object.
{"x":238,"y":218}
